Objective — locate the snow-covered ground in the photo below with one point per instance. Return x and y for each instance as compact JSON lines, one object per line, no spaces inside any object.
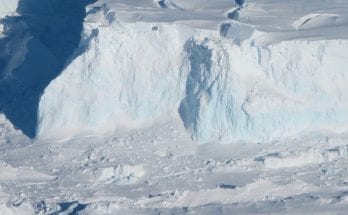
{"x":159,"y":170}
{"x":174,"y":107}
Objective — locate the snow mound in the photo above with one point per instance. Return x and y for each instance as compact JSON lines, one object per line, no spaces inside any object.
{"x":9,"y":173}
{"x":23,"y":209}
{"x":10,"y":206}
{"x":167,"y":4}
{"x":260,"y":190}
{"x":121,"y":174}
{"x":302,"y":158}
{"x":316,"y":21}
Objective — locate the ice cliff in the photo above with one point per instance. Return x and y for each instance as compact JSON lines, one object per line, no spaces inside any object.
{"x":225,"y":76}
{"x":37,"y":38}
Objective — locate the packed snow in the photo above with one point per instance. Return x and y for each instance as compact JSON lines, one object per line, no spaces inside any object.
{"x":173,"y":107}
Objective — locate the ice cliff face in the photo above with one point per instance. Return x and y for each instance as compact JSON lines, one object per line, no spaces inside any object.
{"x":118,"y":81}
{"x":225,"y":84}
{"x":36,"y":41}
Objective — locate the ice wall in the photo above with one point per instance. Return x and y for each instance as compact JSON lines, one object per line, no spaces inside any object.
{"x":222,"y":84}
{"x":263,"y":93}
{"x":126,"y":76}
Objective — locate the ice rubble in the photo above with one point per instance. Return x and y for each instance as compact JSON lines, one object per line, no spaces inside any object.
{"x":225,"y":84}
{"x":121,"y":174}
{"x":23,"y":209}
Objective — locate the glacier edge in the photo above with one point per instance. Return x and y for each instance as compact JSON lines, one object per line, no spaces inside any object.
{"x":224,"y":88}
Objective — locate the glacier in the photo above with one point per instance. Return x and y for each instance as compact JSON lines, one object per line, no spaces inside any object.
{"x":106,"y":106}
{"x":227,"y":81}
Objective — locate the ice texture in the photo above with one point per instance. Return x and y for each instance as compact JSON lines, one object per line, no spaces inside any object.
{"x":37,"y":39}
{"x":228,"y":84}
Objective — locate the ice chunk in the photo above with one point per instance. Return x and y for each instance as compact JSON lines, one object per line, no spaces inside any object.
{"x":121,"y":174}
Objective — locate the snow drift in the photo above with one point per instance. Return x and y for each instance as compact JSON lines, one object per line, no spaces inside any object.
{"x":224,"y":84}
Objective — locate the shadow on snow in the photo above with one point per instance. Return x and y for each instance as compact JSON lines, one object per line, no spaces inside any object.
{"x":36,"y":46}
